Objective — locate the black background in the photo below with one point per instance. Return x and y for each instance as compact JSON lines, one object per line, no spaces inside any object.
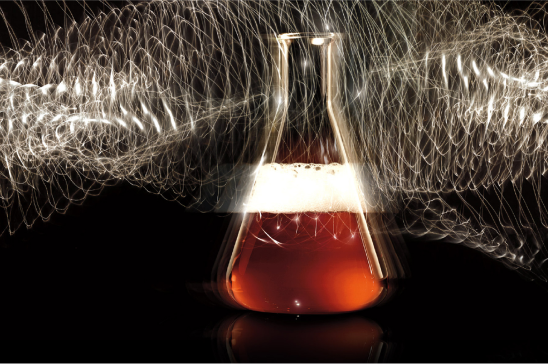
{"x":116,"y":269}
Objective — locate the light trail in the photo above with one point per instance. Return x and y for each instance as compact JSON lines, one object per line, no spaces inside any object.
{"x":447,"y":101}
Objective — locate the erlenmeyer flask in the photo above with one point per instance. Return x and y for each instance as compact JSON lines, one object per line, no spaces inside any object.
{"x":303,"y":244}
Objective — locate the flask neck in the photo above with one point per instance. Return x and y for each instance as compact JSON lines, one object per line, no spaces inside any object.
{"x":301,"y":126}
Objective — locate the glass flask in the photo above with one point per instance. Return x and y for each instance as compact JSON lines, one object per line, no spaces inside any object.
{"x":303,"y":242}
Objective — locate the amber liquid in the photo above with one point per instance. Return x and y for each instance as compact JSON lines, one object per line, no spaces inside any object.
{"x":303,"y":263}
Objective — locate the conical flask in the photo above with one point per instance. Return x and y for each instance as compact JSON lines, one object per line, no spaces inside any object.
{"x":303,"y":243}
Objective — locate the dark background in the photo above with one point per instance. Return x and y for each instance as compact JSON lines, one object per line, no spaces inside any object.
{"x":116,"y":269}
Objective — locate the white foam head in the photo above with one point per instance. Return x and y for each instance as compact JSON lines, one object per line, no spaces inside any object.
{"x":299,"y":187}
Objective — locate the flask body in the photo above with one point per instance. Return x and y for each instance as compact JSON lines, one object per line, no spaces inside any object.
{"x":302,"y":263}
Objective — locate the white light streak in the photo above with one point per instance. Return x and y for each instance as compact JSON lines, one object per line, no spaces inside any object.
{"x":61,"y":88}
{"x":138,"y":122}
{"x":95,"y":87}
{"x":156,"y":124}
{"x":475,"y":67}
{"x":121,"y":122}
{"x":171,"y":118}
{"x":77,"y":87}
{"x":112,"y":87}
{"x":443,"y":68}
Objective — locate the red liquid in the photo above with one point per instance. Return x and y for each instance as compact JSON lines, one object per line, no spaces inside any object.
{"x":303,"y":263}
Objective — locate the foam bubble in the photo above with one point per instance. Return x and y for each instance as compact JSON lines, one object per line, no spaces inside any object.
{"x":301,"y":187}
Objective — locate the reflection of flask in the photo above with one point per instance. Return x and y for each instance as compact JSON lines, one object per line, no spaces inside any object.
{"x":303,"y":244}
{"x":256,"y":338}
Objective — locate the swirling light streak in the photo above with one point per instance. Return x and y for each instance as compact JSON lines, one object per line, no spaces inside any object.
{"x":446,"y":100}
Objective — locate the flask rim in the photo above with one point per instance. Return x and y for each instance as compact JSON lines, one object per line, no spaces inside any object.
{"x":321,"y":35}
{"x":315,"y":37}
